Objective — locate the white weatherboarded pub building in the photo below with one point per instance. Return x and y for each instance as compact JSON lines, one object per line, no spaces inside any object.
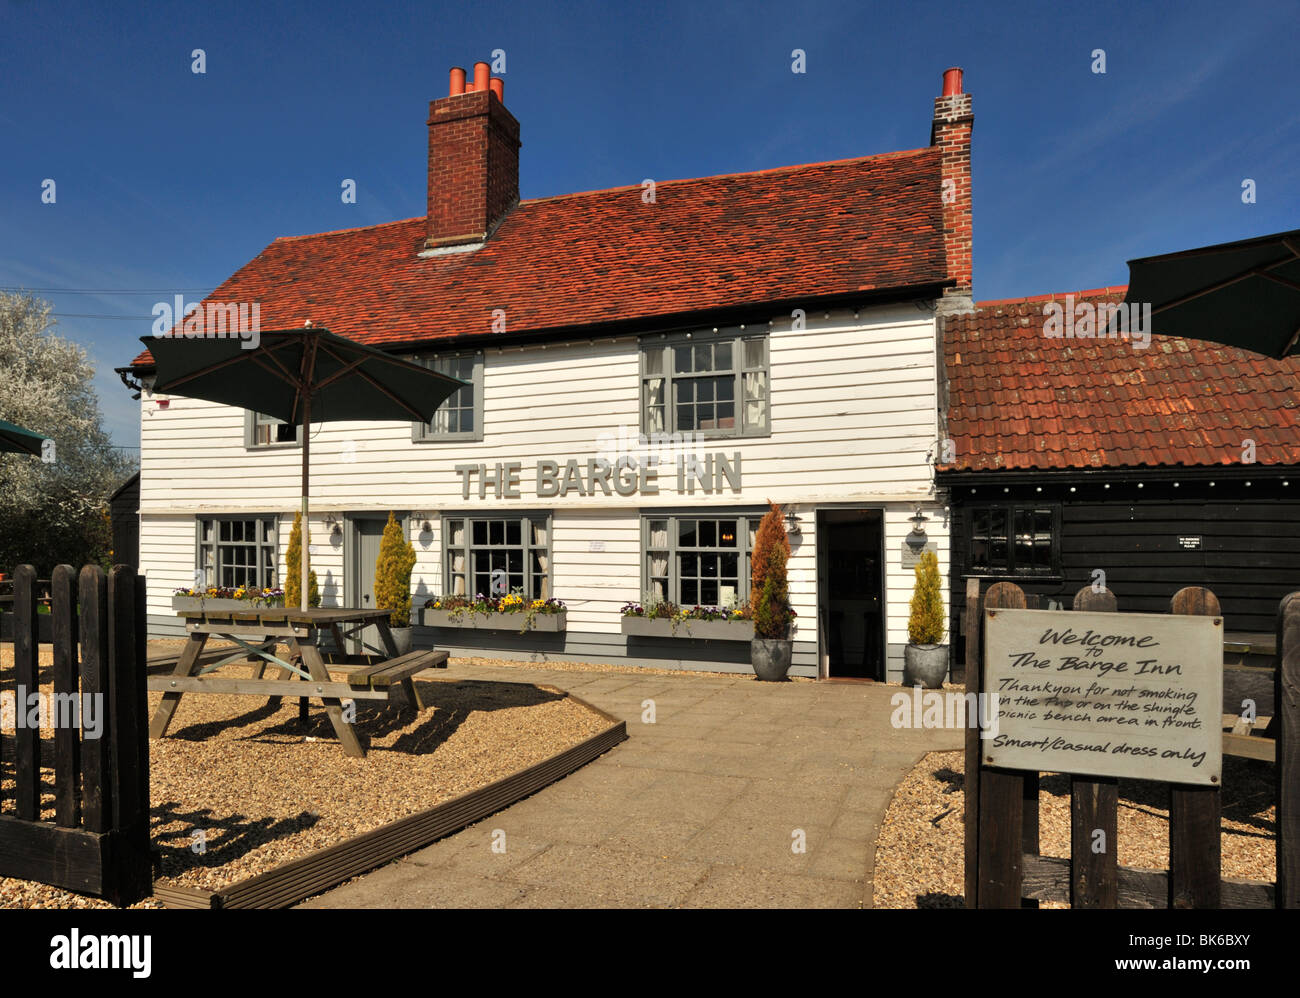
{"x":768,"y":336}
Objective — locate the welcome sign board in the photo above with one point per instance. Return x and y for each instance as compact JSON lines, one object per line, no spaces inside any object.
{"x":1137,"y":695}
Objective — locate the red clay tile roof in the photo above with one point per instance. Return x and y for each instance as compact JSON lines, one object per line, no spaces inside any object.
{"x":821,"y":230}
{"x":1019,"y":400}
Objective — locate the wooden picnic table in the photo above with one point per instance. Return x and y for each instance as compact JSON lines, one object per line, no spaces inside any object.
{"x":257,"y":631}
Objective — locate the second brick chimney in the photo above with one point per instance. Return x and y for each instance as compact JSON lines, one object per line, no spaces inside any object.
{"x":473,"y":161}
{"x":951,"y":132}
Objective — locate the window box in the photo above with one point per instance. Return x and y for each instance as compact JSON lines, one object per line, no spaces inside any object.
{"x":544,"y":623}
{"x":204,"y":604}
{"x":701,"y":630}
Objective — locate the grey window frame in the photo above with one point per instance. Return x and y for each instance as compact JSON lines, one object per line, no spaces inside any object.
{"x":468,"y":547}
{"x":737,"y":337}
{"x":674,"y":587}
{"x":423,"y":432}
{"x":273,"y":545}
{"x":250,"y":433}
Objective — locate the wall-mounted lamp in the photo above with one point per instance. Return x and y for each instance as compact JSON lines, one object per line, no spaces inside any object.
{"x":792,"y":523}
{"x":916,"y":540}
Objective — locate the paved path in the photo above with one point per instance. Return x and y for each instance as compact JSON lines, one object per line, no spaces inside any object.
{"x":698,"y":809}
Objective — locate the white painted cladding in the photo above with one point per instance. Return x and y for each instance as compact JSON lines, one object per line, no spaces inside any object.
{"x":853,"y":418}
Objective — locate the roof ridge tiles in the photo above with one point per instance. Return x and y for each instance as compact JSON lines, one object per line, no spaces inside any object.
{"x":790,"y":168}
{"x":341,"y":232}
{"x":1105,"y":292}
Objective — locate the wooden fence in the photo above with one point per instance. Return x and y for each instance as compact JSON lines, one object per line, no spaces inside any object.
{"x":1003,"y":865}
{"x":98,"y":839}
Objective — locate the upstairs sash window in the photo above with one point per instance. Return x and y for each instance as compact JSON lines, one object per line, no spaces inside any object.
{"x":715,"y":384}
{"x":266,"y":431}
{"x":461,"y":416}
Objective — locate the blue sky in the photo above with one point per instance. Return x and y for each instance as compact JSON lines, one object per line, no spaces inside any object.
{"x":169,"y":181}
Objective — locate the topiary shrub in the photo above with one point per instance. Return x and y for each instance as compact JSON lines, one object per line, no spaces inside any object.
{"x":293,"y":571}
{"x":925,"y":623}
{"x":393,"y":574}
{"x":769,"y":595}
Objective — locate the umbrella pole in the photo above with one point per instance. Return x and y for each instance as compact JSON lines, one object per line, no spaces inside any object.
{"x":306,"y":529}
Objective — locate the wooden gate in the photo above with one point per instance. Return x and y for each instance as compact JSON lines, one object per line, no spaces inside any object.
{"x":96,"y":840}
{"x":1003,"y":865}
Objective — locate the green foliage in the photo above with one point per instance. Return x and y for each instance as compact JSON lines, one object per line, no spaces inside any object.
{"x":925,"y":623}
{"x":293,"y":570}
{"x":53,"y":512}
{"x":393,"y":574}
{"x":769,"y":595}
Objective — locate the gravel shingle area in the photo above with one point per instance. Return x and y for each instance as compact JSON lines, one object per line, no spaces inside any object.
{"x":920,"y":858}
{"x":239,"y":787}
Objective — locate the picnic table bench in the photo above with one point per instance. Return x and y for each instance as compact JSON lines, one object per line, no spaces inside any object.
{"x":257,"y":632}
{"x":209,"y":656}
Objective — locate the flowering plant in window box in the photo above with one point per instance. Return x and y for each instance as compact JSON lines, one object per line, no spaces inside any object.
{"x":496,"y":612}
{"x":662,"y":618}
{"x":226,"y":598}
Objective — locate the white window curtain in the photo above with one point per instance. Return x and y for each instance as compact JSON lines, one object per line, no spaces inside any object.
{"x":755,"y":387}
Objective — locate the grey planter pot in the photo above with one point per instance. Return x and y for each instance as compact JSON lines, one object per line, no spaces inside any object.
{"x":702,"y":630}
{"x":543,"y":623}
{"x":201,"y":604}
{"x":925,"y":665}
{"x":402,"y":637}
{"x":770,"y":658}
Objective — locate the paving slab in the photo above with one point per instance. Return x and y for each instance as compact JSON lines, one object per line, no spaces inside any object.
{"x":741,"y":794}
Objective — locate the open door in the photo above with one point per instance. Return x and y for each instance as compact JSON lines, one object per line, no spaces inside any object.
{"x":850,"y":582}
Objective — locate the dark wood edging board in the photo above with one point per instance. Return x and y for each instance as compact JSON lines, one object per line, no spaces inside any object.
{"x":296,"y":881}
{"x":1047,"y":878}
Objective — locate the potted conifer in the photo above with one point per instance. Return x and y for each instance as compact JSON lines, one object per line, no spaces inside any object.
{"x":769,"y":599}
{"x":293,"y":571}
{"x":925,"y":659}
{"x":393,"y":582}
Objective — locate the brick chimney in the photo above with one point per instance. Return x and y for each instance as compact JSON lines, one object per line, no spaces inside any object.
{"x":951,"y":132}
{"x":473,"y":160}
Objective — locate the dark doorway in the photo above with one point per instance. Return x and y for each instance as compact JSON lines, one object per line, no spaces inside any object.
{"x":849,"y":584}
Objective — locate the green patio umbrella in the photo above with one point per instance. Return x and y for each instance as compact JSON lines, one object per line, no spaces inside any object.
{"x":299,"y":376}
{"x":1244,"y":294}
{"x":16,"y":440}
